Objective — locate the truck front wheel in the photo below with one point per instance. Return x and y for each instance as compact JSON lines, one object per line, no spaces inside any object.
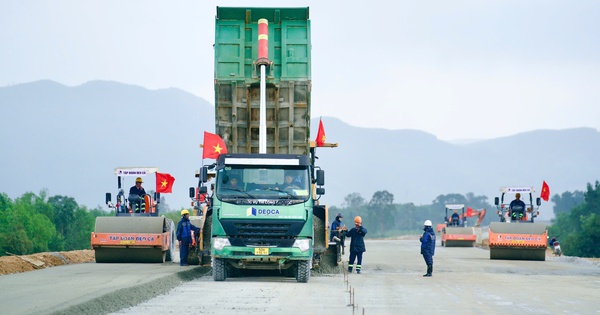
{"x":219,"y":269}
{"x":303,"y":271}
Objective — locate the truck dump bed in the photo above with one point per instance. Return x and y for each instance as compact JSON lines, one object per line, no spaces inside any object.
{"x":237,"y":81}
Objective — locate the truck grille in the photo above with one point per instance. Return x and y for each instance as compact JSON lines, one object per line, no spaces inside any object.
{"x":257,"y":233}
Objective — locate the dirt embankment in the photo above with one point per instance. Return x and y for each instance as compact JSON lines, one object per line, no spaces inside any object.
{"x":16,"y":264}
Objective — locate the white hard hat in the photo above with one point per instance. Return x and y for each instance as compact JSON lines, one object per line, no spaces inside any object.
{"x":427,"y":223}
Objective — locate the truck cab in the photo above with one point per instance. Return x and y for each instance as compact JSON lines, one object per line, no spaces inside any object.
{"x":262,"y":221}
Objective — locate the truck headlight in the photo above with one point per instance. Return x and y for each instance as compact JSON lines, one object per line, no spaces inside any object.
{"x":220,"y":242}
{"x":303,"y":244}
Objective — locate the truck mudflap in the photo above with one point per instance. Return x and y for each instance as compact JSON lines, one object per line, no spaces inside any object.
{"x":518,"y":241}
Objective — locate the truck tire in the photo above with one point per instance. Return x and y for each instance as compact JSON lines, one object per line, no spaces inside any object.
{"x":303,"y":271}
{"x":219,"y":269}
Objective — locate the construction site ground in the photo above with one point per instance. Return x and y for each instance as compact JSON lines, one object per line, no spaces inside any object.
{"x":465,"y":281}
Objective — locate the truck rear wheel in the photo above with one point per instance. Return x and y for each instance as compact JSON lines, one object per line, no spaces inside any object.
{"x":219,"y":269}
{"x":303,"y":271}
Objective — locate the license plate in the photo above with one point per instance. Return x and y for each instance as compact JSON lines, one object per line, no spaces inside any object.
{"x":261,"y":251}
{"x":129,"y":242}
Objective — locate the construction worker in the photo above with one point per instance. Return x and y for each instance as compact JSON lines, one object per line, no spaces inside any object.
{"x":517,"y":208}
{"x":428,"y":246}
{"x":455,"y":220}
{"x":136,"y":195}
{"x":357,"y":244}
{"x":336,"y":228}
{"x":184,"y":236}
{"x":338,"y":231}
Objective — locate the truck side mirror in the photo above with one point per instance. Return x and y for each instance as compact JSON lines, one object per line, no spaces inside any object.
{"x":320,"y":191}
{"x":108,"y":198}
{"x":192,"y":192}
{"x":538,"y":201}
{"x":320,"y":178}
{"x":157,"y":197}
{"x":496,"y":201}
{"x":203,"y":174}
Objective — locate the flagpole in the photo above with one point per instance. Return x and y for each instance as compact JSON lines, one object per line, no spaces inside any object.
{"x":201,"y":167}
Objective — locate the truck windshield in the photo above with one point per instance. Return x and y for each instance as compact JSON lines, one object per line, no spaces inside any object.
{"x":273,"y":182}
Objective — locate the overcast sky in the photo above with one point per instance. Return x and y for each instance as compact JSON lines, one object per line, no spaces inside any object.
{"x":456,"y":69}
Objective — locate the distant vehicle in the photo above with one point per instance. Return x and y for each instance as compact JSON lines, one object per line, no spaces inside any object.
{"x":555,"y":247}
{"x":516,"y":236}
{"x":455,"y":233}
{"x":136,"y":234}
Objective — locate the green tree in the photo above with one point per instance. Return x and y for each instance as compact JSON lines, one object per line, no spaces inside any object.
{"x":382,"y":197}
{"x":31,"y":214}
{"x":380,"y":214}
{"x":443,"y":200}
{"x":406,"y":218}
{"x":83,"y":223}
{"x":354,"y":200}
{"x":13,"y":238}
{"x":580,"y":228}
{"x":566,"y":201}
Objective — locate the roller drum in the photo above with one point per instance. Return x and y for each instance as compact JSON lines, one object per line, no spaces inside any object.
{"x":518,"y":241}
{"x":467,"y":231}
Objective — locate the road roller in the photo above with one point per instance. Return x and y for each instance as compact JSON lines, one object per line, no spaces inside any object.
{"x":454,"y":230}
{"x":517,"y":236}
{"x":136,"y":234}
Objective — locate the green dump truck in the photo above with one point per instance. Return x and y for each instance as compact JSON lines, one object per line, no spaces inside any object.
{"x":264,"y":213}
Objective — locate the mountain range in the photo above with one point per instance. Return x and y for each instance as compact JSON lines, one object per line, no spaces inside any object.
{"x":68,"y":140}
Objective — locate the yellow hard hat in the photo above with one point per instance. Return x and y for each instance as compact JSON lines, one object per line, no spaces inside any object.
{"x":357,"y":219}
{"x":138,"y":180}
{"x":518,"y":195}
{"x":184,"y":211}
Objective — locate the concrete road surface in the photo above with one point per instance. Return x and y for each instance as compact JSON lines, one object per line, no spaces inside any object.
{"x":465,"y":281}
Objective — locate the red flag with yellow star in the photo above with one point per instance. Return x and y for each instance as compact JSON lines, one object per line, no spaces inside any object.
{"x":545,"y":194}
{"x":164,"y":183}
{"x":320,"y":134}
{"x":213,"y":146}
